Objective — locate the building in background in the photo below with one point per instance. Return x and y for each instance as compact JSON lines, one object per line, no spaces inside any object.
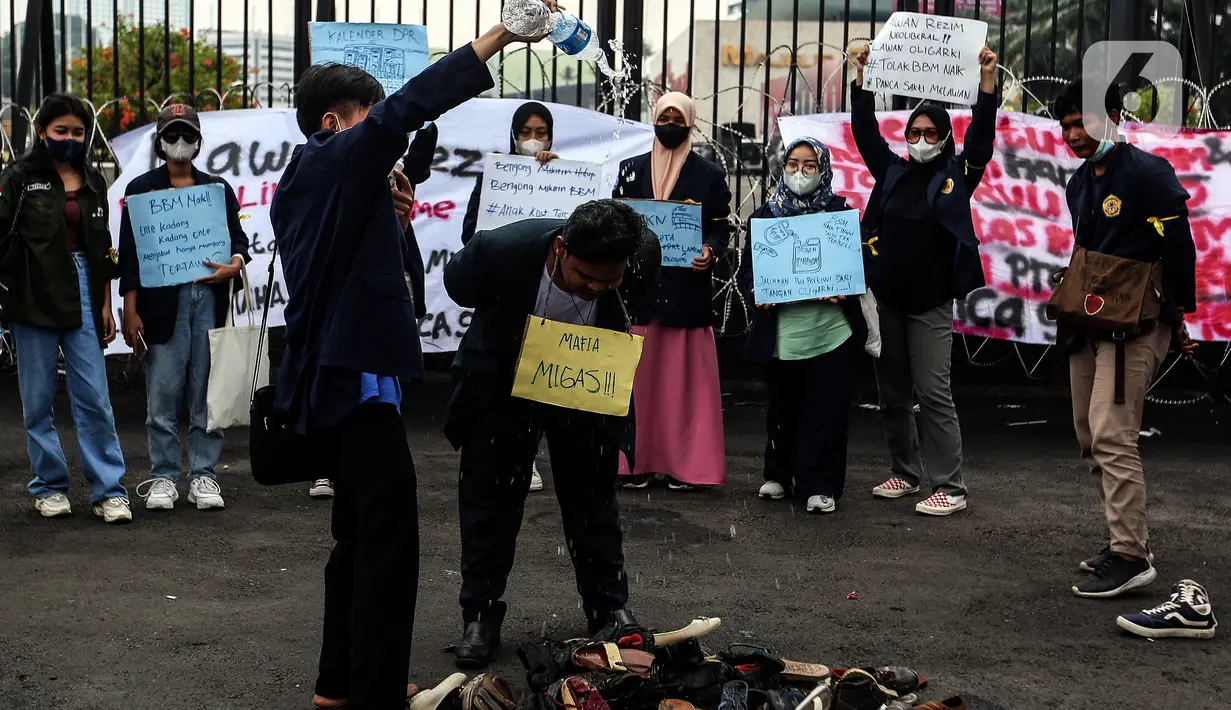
{"x":153,"y":11}
{"x":270,"y":61}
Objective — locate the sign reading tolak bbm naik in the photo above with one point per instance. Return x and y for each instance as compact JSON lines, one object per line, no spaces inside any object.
{"x":677,"y":225}
{"x":177,"y":231}
{"x":806,"y":258}
{"x":927,"y":57}
{"x":392,"y":54}
{"x":577,"y":366}
{"x":517,"y":187}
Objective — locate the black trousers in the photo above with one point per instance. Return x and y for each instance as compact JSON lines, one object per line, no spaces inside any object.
{"x":373,"y":573}
{"x":809,"y":421}
{"x":498,"y":452}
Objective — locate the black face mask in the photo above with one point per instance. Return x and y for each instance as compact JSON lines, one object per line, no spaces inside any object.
{"x":64,"y":151}
{"x":671,"y":135}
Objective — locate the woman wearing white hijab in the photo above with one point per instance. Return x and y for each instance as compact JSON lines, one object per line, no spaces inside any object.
{"x":676,"y":394}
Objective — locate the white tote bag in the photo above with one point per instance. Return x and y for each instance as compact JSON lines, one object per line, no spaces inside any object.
{"x":867,"y":304}
{"x":232,"y":361}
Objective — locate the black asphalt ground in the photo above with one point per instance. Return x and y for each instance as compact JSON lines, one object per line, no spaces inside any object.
{"x":190,"y":610}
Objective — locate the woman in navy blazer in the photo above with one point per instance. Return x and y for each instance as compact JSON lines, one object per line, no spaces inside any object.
{"x":922,"y":253}
{"x":676,"y":393}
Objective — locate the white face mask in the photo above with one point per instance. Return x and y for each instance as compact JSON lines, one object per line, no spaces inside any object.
{"x":180,"y":151}
{"x":925,"y":152}
{"x":531,"y":147}
{"x":338,"y":124}
{"x":801,"y":183}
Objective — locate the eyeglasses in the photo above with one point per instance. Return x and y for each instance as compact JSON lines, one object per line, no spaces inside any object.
{"x":931,"y":135}
{"x":809,"y":167}
{"x":174,"y":134}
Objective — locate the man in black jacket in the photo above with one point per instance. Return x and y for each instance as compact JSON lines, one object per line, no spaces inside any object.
{"x":351,"y":336}
{"x":589,"y":270}
{"x":170,"y":325}
{"x":1127,"y":203}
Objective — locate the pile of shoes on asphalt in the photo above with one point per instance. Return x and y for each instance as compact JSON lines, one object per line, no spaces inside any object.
{"x":636,"y":669}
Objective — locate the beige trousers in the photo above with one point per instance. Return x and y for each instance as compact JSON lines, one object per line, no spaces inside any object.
{"x":1107,"y":432}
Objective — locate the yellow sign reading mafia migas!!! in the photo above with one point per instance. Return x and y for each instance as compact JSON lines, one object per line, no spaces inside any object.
{"x":577,"y":366}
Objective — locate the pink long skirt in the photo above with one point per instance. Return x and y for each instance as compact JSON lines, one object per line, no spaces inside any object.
{"x":678,"y":404}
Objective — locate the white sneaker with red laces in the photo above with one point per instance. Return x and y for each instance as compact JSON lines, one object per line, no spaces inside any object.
{"x":894,"y":488}
{"x":941,"y":504}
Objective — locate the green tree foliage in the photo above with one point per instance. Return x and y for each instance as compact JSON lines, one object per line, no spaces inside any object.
{"x":124,"y":114}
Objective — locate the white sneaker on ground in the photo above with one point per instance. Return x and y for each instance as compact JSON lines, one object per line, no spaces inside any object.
{"x":536,"y":481}
{"x":114,"y":510}
{"x":941,"y":504}
{"x":771,"y":490}
{"x":205,"y":492}
{"x":160,"y":493}
{"x":55,"y":505}
{"x":321,"y":488}
{"x":822,"y":504}
{"x":894,"y":488}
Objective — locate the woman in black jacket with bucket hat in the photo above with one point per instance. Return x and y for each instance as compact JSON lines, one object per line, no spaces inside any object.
{"x":922,"y":253}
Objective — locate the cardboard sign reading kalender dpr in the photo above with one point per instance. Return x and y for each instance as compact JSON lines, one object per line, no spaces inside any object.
{"x":176,"y":231}
{"x":577,"y":366}
{"x":927,"y":57}
{"x":392,"y":54}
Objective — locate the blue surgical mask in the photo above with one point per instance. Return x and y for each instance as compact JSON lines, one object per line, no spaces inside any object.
{"x":1104,"y":147}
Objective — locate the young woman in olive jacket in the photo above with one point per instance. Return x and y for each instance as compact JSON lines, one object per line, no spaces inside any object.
{"x":58,"y":271}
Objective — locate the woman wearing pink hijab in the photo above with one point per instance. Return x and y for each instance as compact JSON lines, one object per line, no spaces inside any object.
{"x":676,"y":396}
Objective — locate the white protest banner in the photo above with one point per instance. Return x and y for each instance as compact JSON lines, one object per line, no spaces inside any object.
{"x":517,"y":187}
{"x":1022,"y":218}
{"x":249,"y":148}
{"x":927,"y":57}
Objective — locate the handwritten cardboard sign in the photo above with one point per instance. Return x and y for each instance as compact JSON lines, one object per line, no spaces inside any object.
{"x":577,"y":366}
{"x":393,"y":54}
{"x":927,"y":57}
{"x":177,"y":231}
{"x":516,"y":187}
{"x":678,"y":226}
{"x":806,"y":258}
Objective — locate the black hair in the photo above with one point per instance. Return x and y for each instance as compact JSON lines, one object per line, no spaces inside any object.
{"x":333,"y":87}
{"x":603,"y":232}
{"x":1069,"y":101}
{"x":53,"y":107}
{"x":523,"y":114}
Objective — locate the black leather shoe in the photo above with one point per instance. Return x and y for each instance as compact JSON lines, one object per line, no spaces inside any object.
{"x":475,"y":649}
{"x":614,"y":620}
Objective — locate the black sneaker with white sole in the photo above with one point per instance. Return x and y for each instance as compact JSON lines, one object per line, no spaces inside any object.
{"x":1114,"y":576}
{"x":1089,"y":565}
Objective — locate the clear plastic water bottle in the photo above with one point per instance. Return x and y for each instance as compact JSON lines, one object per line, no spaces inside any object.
{"x":573,"y":36}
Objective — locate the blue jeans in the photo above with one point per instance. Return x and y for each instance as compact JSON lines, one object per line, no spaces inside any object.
{"x":182,"y":363}
{"x":37,"y":355}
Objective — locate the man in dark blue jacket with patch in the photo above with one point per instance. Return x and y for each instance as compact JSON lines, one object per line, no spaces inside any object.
{"x":1127,"y":203}
{"x":351,"y":335}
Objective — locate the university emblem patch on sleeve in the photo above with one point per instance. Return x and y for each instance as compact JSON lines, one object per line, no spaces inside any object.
{"x":947,"y":187}
{"x":115,"y":258}
{"x":1111,"y":206}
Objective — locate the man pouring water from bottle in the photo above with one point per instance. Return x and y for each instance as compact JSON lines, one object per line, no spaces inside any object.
{"x":351,"y":336}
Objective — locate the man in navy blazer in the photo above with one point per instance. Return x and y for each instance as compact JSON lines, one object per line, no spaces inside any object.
{"x":351,"y":335}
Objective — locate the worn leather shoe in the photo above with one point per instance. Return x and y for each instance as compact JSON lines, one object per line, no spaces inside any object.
{"x":614,"y":620}
{"x":476,"y":646}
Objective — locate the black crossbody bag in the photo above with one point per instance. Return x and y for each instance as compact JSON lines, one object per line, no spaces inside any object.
{"x":277,"y":453}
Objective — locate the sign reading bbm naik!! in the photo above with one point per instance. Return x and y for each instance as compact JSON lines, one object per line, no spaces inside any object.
{"x":927,"y":57}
